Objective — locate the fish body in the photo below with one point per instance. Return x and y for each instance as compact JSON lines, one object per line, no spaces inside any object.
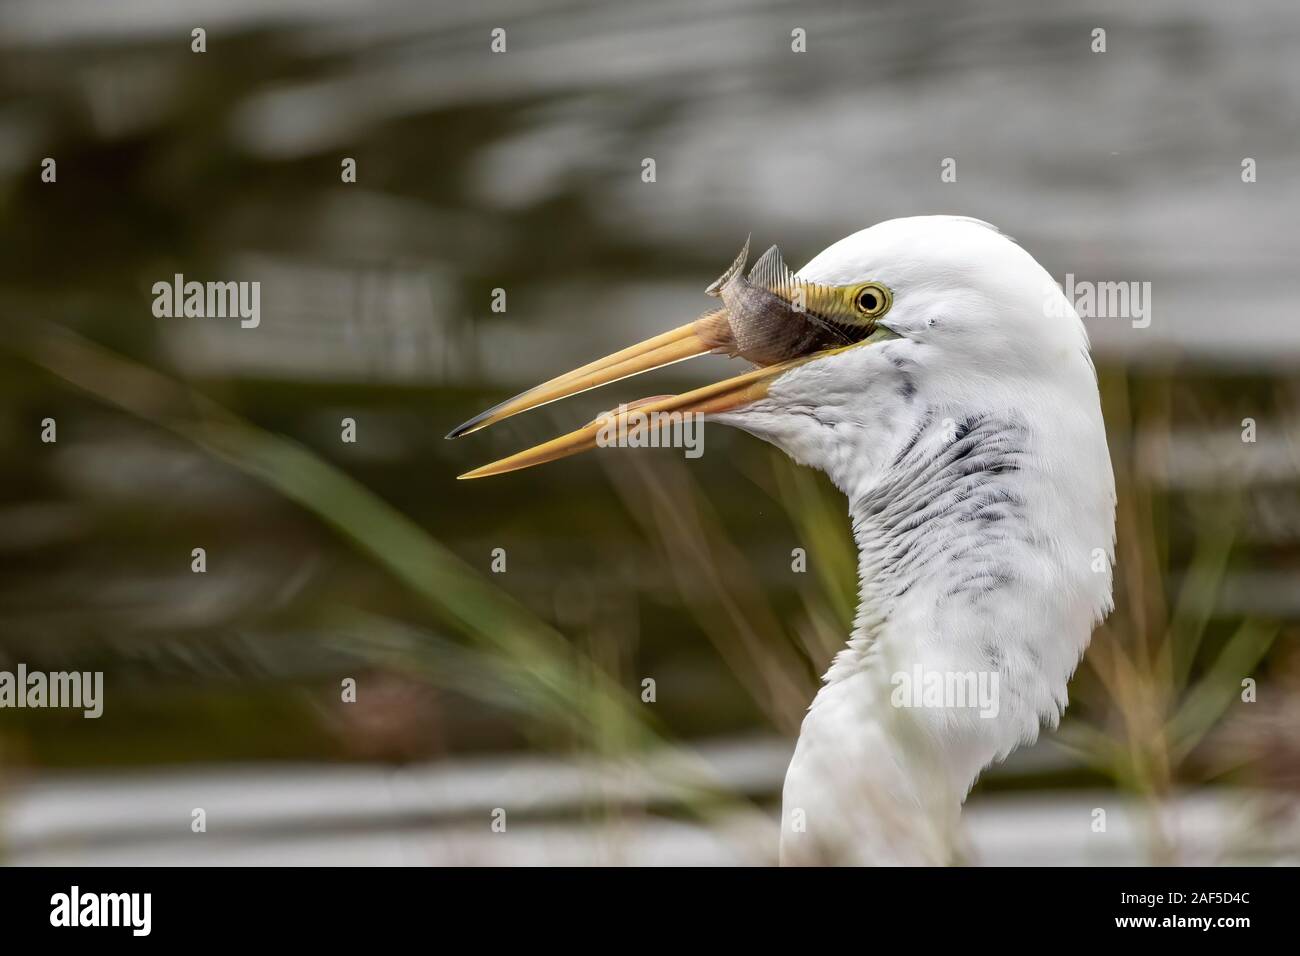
{"x":771,"y":315}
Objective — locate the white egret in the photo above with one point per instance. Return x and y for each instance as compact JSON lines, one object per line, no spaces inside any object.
{"x":940,"y":378}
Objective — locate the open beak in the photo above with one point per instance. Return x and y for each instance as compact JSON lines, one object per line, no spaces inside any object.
{"x":705,"y":334}
{"x":759,"y":321}
{"x":684,"y":342}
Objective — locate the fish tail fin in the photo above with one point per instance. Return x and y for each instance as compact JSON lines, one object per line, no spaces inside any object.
{"x":735,"y":269}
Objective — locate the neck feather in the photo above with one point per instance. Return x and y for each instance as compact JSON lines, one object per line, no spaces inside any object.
{"x":964,"y":641}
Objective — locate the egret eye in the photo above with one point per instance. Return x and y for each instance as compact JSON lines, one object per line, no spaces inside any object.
{"x":872,"y":300}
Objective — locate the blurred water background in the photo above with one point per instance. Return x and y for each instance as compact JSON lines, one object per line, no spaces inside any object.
{"x":522,"y":171}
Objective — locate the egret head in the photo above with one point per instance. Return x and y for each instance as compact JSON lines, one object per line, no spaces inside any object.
{"x":936,"y":316}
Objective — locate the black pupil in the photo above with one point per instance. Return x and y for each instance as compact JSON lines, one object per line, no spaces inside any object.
{"x":868,"y":301}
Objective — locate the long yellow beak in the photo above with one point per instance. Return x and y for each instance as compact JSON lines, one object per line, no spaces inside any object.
{"x":703,"y":335}
{"x":638,"y":417}
{"x":685,"y":342}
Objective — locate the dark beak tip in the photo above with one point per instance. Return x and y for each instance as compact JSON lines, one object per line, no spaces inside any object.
{"x":464,"y":428}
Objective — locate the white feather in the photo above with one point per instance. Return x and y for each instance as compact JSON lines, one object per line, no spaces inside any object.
{"x":973,"y":455}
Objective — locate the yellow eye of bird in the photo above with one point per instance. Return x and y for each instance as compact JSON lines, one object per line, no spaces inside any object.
{"x":872,"y":300}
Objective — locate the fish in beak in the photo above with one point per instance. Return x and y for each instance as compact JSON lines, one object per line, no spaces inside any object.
{"x":771,"y":318}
